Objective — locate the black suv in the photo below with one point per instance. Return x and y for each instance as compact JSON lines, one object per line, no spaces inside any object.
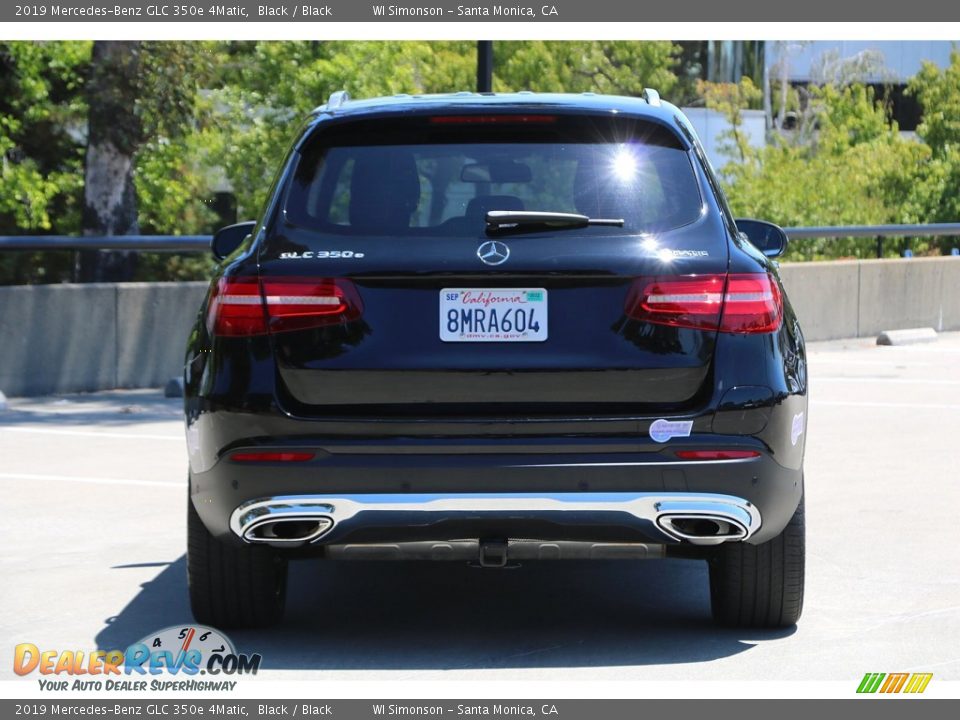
{"x":495,"y":328}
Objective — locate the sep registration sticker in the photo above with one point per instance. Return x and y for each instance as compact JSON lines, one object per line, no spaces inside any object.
{"x":493,"y":314}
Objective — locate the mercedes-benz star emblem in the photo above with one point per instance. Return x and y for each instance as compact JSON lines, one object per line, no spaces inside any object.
{"x":493,"y":252}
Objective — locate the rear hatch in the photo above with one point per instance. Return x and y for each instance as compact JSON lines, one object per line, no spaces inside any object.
{"x":389,"y":293}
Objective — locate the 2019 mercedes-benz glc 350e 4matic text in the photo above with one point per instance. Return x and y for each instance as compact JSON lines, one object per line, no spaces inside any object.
{"x":496,"y":328}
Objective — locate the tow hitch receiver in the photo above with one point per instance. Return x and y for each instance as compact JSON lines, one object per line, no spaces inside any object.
{"x":493,"y":553}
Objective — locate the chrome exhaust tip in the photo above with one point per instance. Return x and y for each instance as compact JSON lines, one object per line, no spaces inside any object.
{"x":707,"y":521}
{"x":702,"y":529}
{"x":287,"y":530}
{"x":282,"y":522}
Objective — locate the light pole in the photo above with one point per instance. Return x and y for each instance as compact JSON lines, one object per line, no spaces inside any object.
{"x":485,"y":66}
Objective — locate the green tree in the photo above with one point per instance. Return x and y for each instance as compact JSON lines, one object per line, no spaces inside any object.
{"x":938,"y":92}
{"x":140,"y":96}
{"x":45,"y":131}
{"x":616,"y":67}
{"x":114,"y":134}
{"x":42,"y":116}
{"x":196,"y":118}
{"x":732,"y":99}
{"x":855,"y":169}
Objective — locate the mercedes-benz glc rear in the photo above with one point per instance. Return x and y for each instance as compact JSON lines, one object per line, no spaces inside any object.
{"x":496,"y":329}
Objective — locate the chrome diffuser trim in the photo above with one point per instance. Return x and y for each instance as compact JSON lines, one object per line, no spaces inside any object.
{"x":517,"y":550}
{"x":654,"y":508}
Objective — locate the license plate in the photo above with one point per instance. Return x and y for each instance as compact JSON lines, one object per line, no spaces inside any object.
{"x":493,"y":314}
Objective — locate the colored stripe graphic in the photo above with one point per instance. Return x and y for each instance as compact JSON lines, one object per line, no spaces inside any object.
{"x":870,"y":682}
{"x":894,"y":682}
{"x":918,"y":683}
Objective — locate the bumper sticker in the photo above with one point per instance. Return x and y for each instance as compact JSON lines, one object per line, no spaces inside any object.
{"x":796,"y":429}
{"x":662,"y":430}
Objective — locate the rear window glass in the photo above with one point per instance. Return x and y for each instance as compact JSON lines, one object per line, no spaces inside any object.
{"x":444,"y":186}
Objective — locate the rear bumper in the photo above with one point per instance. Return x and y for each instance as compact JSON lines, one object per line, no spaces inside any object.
{"x":331,"y":518}
{"x":609,"y":489}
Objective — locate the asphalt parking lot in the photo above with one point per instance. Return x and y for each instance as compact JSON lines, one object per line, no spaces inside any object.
{"x":94,"y":511}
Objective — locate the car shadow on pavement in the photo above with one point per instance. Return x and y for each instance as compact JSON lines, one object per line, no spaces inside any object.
{"x":442,"y":616}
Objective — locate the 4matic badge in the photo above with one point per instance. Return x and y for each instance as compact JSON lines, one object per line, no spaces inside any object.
{"x":321,"y":255}
{"x":670,"y":253}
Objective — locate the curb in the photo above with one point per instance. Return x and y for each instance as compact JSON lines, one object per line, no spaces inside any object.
{"x":908,"y":336}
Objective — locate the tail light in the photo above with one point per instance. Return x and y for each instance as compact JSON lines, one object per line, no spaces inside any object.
{"x":689,"y":302}
{"x":491,"y":119}
{"x":236,"y":308}
{"x":242,"y":306}
{"x":272,"y":456}
{"x":716,"y":454}
{"x":739,"y":303}
{"x":752,"y":304}
{"x":305,"y":303}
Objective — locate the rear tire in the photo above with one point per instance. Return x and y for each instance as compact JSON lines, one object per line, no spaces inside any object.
{"x":760,"y":586}
{"x":232,"y":586}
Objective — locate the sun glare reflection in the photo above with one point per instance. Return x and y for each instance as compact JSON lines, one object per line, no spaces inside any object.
{"x":625,"y":164}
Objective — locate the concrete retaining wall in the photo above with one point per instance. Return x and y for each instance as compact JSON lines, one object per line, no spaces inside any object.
{"x":909,"y":293}
{"x":859,"y":298}
{"x":825,"y":296}
{"x":74,"y":338}
{"x":71,"y":338}
{"x":153,"y":321}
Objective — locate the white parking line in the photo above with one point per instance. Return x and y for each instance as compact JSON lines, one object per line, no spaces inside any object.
{"x":816,"y":360}
{"x":918,"y":406}
{"x":892,"y":381}
{"x":91,"y":433}
{"x":926,"y":349}
{"x":92,"y":480}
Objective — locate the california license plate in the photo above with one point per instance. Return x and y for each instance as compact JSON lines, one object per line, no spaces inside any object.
{"x":493,"y":314}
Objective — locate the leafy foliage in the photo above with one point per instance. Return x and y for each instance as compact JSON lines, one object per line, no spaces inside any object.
{"x":939,"y":94}
{"x":217,"y":116}
{"x":614,"y":67}
{"x":732,"y":99}
{"x":853,"y":167}
{"x":42,"y":116}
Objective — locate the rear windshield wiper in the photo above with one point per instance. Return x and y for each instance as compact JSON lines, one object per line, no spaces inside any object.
{"x":506,"y":220}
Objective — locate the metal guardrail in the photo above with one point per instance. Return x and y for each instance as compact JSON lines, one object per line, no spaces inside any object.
{"x":201,"y":243}
{"x":845,"y":231}
{"x":143,"y":243}
{"x":880,"y":232}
